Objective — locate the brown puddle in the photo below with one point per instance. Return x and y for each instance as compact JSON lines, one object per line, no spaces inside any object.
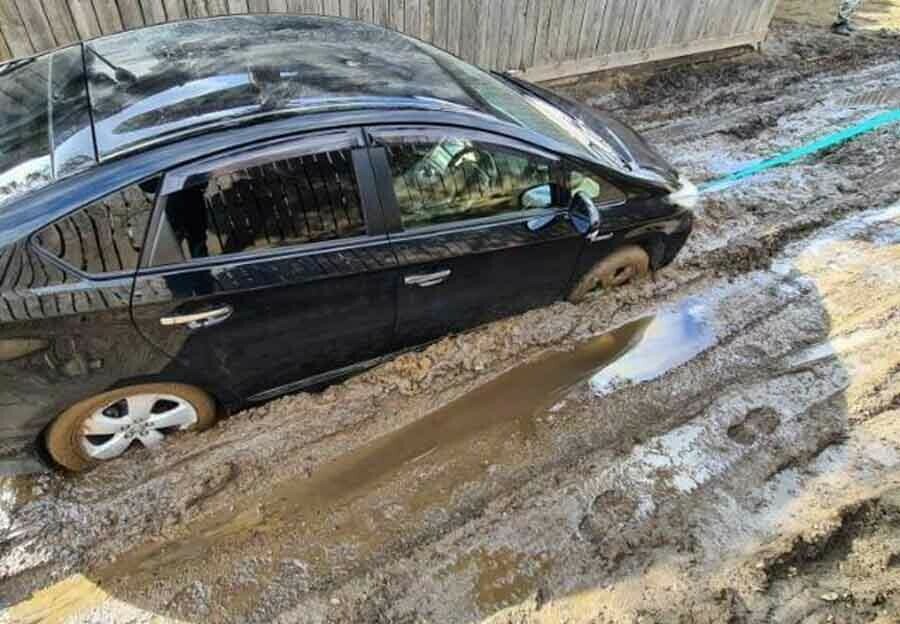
{"x":365,"y":500}
{"x":508,"y":403}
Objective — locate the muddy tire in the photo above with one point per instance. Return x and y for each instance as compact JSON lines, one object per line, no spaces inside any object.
{"x":104,"y":426}
{"x":618,"y":268}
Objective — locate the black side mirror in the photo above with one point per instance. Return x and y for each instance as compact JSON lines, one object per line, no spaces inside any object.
{"x":537,"y":198}
{"x":584,"y":214}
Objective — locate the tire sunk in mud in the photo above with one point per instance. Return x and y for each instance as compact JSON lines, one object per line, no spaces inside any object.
{"x":616,"y":269}
{"x":105,"y":426}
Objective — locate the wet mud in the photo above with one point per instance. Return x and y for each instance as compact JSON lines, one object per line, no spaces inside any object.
{"x":871,"y":14}
{"x":717,"y":443}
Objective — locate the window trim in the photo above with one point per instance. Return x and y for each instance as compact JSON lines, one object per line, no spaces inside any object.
{"x":391,"y":205}
{"x":314,"y":143}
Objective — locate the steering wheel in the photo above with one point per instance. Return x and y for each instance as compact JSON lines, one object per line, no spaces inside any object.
{"x":484,"y":165}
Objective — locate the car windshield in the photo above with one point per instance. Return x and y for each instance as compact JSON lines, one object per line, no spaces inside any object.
{"x":45,"y":130}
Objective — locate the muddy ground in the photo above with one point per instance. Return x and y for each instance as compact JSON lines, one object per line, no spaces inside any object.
{"x":720,"y":443}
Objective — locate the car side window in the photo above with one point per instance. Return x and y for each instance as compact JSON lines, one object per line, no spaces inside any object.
{"x":601,"y":191}
{"x":291,"y":201}
{"x":444,"y":178}
{"x":105,"y":236}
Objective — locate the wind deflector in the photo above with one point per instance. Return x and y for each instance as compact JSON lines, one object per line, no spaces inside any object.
{"x":45,"y":126}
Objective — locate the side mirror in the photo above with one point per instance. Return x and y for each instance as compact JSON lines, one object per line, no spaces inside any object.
{"x":584,"y":214}
{"x":537,"y":198}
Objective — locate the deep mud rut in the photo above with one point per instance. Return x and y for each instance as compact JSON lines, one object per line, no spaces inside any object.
{"x":720,"y":443}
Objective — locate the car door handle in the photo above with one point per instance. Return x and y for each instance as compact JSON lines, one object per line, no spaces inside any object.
{"x":427,"y":279}
{"x":199,"y":320}
{"x":596,"y":237}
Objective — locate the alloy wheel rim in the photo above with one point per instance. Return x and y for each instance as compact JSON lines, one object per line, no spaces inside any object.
{"x":144,"y":418}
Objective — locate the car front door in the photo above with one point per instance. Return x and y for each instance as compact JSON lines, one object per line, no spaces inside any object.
{"x":461,"y":207}
{"x":270,"y":268}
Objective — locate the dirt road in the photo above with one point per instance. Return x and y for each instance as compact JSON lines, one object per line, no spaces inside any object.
{"x":720,"y":443}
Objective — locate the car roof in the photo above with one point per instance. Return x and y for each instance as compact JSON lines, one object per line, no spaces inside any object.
{"x":160,"y":81}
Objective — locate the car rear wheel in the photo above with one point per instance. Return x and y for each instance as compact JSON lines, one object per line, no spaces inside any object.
{"x":618,"y":268}
{"x":105,"y":426}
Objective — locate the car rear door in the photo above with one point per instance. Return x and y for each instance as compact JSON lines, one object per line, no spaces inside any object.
{"x":454,"y":207}
{"x":270,"y":267}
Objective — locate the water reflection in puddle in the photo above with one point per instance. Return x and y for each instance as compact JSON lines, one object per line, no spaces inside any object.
{"x":671,"y":339}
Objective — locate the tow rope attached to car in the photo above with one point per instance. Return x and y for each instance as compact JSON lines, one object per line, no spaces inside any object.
{"x":832,"y":140}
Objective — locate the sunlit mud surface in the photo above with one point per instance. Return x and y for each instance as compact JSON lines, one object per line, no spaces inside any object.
{"x":720,"y":443}
{"x":872,"y":13}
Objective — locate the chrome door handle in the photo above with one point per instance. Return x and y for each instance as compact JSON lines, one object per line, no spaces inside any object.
{"x":199,"y":320}
{"x":596,"y":237}
{"x":428,"y":279}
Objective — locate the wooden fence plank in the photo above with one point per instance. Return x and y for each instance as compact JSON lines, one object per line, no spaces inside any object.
{"x":411,"y":19}
{"x":258,"y":6}
{"x":60,"y":21}
{"x":35,"y":22}
{"x":532,"y":13}
{"x":154,"y":12}
{"x":439,"y":24}
{"x":350,"y":9}
{"x":331,"y":7}
{"x":517,"y":34}
{"x":85,"y":19}
{"x":108,"y":17}
{"x":504,"y":33}
{"x":612,"y":26}
{"x":381,"y":12}
{"x":490,"y":29}
{"x":398,"y":14}
{"x":5,"y":52}
{"x":542,"y":36}
{"x":278,"y":6}
{"x":579,"y":25}
{"x":636,"y":25}
{"x":591,"y":28}
{"x":482,"y":26}
{"x":132,"y":17}
{"x":469,"y":41}
{"x":426,"y":20}
{"x":217,"y":7}
{"x":14,"y":31}
{"x":369,"y":10}
{"x":454,"y":25}
{"x":237,"y":6}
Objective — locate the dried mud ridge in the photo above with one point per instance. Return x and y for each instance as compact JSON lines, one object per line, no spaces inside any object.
{"x":750,"y":480}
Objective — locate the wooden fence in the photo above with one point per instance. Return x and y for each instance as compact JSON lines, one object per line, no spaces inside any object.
{"x":545,"y":39}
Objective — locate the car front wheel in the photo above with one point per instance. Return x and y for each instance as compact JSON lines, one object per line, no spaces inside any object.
{"x":618,"y":268}
{"x":105,"y":426}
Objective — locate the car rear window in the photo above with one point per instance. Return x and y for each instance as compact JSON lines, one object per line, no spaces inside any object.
{"x":45,"y":129}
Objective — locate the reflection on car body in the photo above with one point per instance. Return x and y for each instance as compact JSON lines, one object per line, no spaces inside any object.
{"x":250,"y":205}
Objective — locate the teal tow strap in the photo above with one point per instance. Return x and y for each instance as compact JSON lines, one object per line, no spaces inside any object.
{"x":824,"y":143}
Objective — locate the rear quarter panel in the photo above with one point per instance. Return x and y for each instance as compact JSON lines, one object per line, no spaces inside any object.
{"x":63,"y":338}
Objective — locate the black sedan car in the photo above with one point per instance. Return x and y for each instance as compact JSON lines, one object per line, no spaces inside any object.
{"x":205,"y":214}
